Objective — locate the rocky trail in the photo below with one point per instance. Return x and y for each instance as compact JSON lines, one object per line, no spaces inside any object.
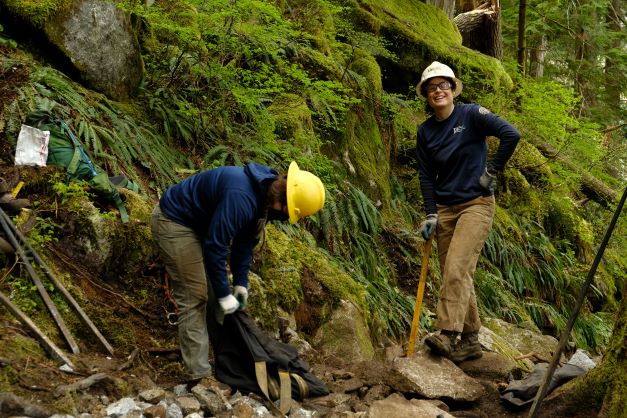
{"x":149,"y":383}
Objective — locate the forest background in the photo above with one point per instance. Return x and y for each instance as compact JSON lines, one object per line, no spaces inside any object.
{"x":331,"y":85}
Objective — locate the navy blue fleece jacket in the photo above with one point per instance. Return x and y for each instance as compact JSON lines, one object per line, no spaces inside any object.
{"x":223,"y":206}
{"x":452,"y":154}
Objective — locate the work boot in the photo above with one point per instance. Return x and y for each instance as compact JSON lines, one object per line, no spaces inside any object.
{"x":442,"y":343}
{"x":468,"y":348}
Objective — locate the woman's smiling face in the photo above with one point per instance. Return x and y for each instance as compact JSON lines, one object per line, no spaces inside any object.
{"x":439,"y":98}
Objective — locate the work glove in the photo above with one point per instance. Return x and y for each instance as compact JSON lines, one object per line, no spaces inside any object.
{"x":241,"y":294}
{"x":427,"y":228}
{"x":488,"y":179}
{"x":228,"y":304}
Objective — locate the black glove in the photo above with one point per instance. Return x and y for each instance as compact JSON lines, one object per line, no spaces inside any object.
{"x":488,"y":179}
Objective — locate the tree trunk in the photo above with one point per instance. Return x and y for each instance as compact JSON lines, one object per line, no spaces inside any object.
{"x":536,"y":58}
{"x":522,"y":23}
{"x":613,"y":74}
{"x":591,"y":187}
{"x":448,"y":6}
{"x":481,"y":28}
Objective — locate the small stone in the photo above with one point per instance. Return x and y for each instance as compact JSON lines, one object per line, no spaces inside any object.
{"x":156,"y":411}
{"x":174,"y":411}
{"x":152,"y":396}
{"x":121,"y":407}
{"x":188,"y":404}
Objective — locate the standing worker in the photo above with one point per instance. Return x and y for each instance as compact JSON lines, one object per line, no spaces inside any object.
{"x":457,"y":183}
{"x":215,"y":215}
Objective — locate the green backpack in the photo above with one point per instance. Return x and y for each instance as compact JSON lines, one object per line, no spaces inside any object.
{"x":65,"y":150}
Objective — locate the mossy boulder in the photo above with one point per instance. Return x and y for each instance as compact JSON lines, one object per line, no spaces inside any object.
{"x":93,"y":36}
{"x":291,"y":266}
{"x":345,"y":336}
{"x":292,"y":121}
{"x":417,"y":34}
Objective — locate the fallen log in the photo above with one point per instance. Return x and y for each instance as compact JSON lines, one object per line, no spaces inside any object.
{"x":81,"y":384}
{"x":469,"y":21}
{"x":591,"y":187}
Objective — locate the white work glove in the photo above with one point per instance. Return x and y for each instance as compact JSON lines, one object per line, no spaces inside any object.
{"x":488,"y":179}
{"x":241,"y":294}
{"x":228,"y":304}
{"x":427,"y":228}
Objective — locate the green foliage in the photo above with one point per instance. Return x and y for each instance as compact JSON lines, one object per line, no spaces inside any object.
{"x":524,"y":276}
{"x":36,"y":12}
{"x":232,"y":81}
{"x":5,"y":40}
{"x":118,"y":140}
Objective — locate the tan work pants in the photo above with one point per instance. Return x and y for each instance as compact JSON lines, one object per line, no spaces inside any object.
{"x":181,"y":252}
{"x":461,"y":233}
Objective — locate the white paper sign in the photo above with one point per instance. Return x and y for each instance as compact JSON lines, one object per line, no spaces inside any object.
{"x":32,"y":146}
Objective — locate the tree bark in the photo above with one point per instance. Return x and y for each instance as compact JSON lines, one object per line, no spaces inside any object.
{"x":614,"y":77}
{"x":536,"y":58}
{"x":522,"y":23}
{"x":481,"y":28}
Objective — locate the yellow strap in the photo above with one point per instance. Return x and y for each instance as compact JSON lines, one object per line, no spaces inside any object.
{"x":286,"y":391}
{"x":262,"y":381}
{"x":303,"y":387}
{"x":17,"y":188}
{"x":262,"y":377}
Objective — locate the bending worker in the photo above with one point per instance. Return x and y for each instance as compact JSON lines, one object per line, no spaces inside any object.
{"x":458,"y":183}
{"x":215,"y":215}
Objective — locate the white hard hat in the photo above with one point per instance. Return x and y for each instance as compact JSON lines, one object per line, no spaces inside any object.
{"x":437,"y":69}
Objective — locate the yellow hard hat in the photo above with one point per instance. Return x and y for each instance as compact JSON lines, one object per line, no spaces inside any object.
{"x":305,"y":193}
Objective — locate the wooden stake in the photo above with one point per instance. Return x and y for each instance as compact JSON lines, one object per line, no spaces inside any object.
{"x":68,"y":297}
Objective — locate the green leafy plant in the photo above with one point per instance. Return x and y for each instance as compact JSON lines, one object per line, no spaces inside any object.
{"x":4,"y":40}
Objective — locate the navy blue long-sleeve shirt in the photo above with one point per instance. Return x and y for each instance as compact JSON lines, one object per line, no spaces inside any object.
{"x":223,"y":207}
{"x":452,"y":154}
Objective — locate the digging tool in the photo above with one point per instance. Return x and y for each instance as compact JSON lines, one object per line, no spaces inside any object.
{"x":40,"y":287}
{"x":54,"y":351}
{"x":68,"y":297}
{"x":426,"y":251}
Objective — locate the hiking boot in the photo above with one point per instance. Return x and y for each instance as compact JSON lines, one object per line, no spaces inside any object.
{"x":468,"y":348}
{"x":442,"y":343}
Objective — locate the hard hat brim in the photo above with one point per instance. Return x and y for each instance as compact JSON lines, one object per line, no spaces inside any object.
{"x":292,"y":174}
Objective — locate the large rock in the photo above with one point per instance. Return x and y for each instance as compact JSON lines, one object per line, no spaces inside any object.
{"x":345,"y":336}
{"x":98,"y":39}
{"x":526,"y":341}
{"x":436,"y":377}
{"x":396,"y":406}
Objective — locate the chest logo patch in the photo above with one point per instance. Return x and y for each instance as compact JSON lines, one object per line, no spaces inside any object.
{"x":483,"y":110}
{"x":458,"y":129}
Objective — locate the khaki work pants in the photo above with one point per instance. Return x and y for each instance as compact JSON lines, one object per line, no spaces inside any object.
{"x":461,"y":233}
{"x":181,"y":252}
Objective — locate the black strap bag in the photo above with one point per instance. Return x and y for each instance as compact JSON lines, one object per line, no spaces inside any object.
{"x":248,"y":359}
